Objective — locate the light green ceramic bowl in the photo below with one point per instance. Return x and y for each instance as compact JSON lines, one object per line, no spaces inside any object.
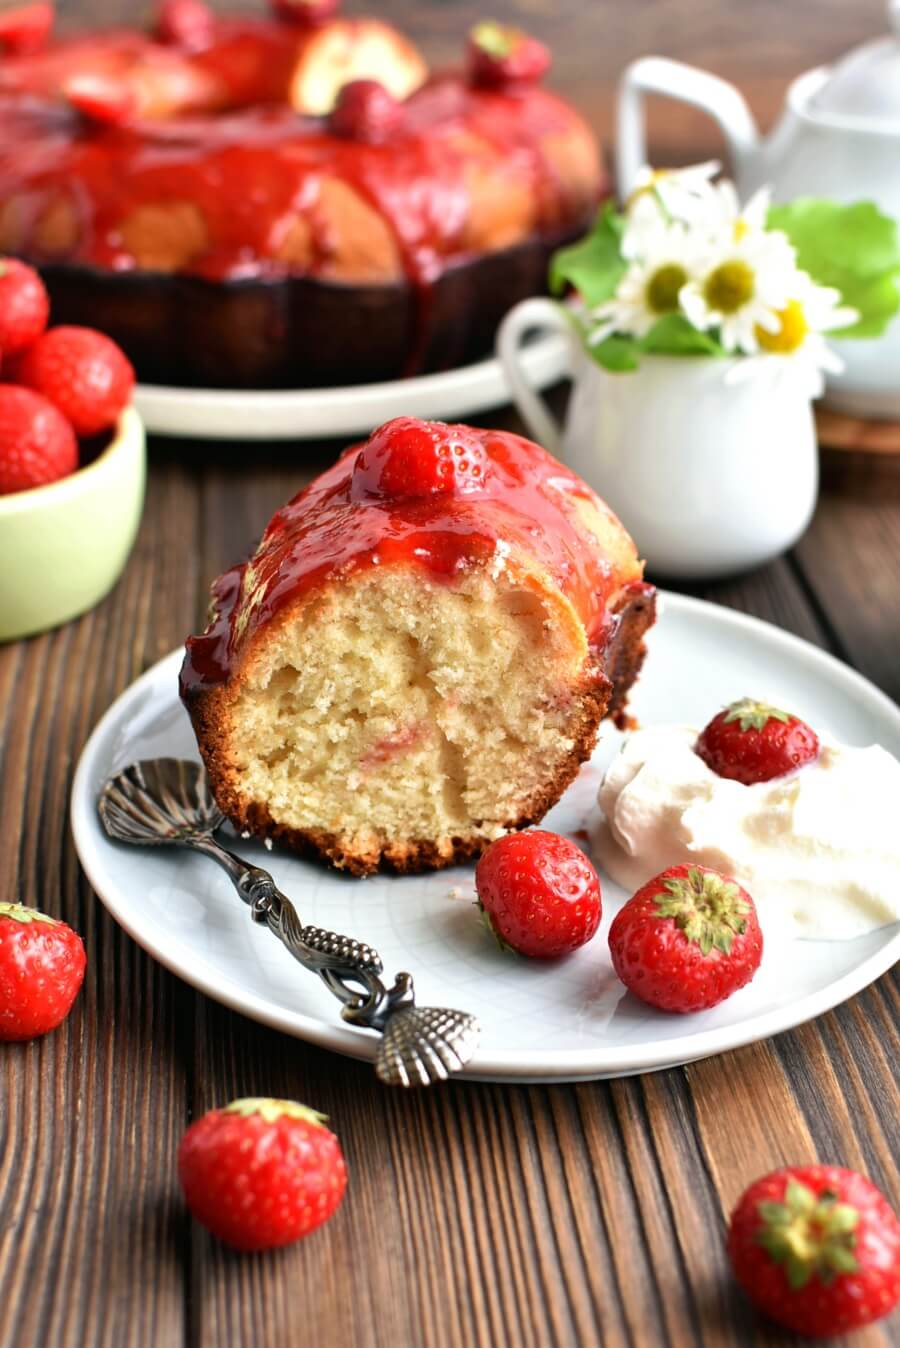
{"x":63,"y":546}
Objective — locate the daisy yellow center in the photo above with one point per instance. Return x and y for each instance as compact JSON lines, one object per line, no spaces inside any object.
{"x":664,"y":287}
{"x":791,"y":333}
{"x":729,"y":286}
{"x":740,"y":229}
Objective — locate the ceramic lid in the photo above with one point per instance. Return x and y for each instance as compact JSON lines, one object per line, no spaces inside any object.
{"x":866,"y":82}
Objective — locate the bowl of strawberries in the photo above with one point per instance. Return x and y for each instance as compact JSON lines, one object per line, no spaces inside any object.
{"x":72,"y":461}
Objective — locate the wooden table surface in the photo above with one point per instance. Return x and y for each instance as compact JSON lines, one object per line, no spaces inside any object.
{"x":476,"y":1215}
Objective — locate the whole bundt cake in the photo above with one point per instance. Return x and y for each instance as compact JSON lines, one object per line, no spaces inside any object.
{"x":418,"y":656}
{"x":286,"y":200}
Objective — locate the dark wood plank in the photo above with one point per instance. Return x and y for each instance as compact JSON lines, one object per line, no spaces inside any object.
{"x":91,"y":1114}
{"x":849,"y":561}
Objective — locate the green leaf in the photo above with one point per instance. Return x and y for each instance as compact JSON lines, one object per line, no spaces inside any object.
{"x":671,"y":336}
{"x":754,"y":715}
{"x":842,"y":1218}
{"x":594,"y":266}
{"x":674,"y":335}
{"x":617,"y":354}
{"x":799,"y":1272}
{"x":799,"y":1198}
{"x":272,"y":1110}
{"x":17,"y":912}
{"x":488,"y":924}
{"x":853,"y":248}
{"x":841,"y":1260}
{"x":773,"y":1213}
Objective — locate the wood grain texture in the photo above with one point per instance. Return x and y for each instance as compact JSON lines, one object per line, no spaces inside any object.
{"x":838,"y":431}
{"x":849,"y":564}
{"x":477,"y":1216}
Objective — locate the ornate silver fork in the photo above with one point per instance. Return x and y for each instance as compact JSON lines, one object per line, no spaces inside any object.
{"x":167,"y":802}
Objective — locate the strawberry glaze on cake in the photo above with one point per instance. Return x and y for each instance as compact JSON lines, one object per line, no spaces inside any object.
{"x":490,"y":631}
{"x":530,"y":501}
{"x":225,"y":229}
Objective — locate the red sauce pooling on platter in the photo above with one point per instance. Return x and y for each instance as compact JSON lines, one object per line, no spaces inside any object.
{"x":249,"y":165}
{"x":529,"y":503}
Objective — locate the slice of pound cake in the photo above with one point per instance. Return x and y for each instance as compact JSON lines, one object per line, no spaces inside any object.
{"x":419,"y":654}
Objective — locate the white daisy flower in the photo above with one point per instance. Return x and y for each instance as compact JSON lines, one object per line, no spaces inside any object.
{"x":675,"y":194}
{"x":728,"y":218}
{"x":668,"y":259}
{"x":798,"y":343}
{"x":750,"y":276}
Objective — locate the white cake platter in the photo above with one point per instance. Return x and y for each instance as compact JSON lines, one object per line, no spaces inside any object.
{"x":315,"y":414}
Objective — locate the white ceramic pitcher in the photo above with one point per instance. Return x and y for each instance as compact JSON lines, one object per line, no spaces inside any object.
{"x":839,"y":137}
{"x":709,"y":477}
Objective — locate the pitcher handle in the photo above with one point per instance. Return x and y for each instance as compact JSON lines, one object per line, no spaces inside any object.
{"x":685,"y":84}
{"x":525,"y":317}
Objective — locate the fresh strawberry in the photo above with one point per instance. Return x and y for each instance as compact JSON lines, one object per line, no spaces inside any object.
{"x":366,"y":111}
{"x":753,"y":742}
{"x":817,"y":1248}
{"x":83,"y":373}
{"x":261,"y":1173}
{"x":24,"y":306}
{"x":501,"y":56}
{"x":408,"y":459}
{"x":100,"y":98}
{"x":37,"y":444}
{"x":41,"y":971}
{"x":185,"y":23}
{"x":305,"y":11}
{"x":25,"y":30}
{"x":539,"y":894}
{"x":686,"y":940}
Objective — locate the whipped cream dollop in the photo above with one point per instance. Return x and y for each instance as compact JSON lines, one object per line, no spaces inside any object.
{"x":818,"y":849}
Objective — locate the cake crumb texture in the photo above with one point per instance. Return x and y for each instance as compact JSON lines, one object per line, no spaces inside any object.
{"x":405,"y":722}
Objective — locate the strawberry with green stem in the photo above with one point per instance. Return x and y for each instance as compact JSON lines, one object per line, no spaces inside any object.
{"x":42,"y":963}
{"x":752,"y":741}
{"x":686,"y":940}
{"x":538,"y":893}
{"x":500,"y":56}
{"x":261,"y":1173}
{"x":817,"y":1248}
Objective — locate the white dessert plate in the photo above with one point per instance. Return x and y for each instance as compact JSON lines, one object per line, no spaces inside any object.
{"x":564,"y":1021}
{"x":314,"y":414}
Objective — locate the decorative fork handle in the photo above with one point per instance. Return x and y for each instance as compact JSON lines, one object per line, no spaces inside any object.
{"x":348,"y":968}
{"x":167,"y":801}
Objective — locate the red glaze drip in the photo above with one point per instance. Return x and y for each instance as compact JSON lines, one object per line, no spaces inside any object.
{"x":529,"y":501}
{"x":252,"y":169}
{"x":246,"y":61}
